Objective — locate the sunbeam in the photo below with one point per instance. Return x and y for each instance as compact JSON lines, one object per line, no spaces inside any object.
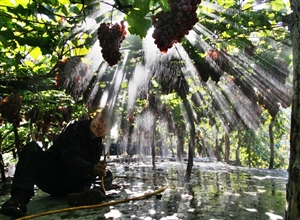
{"x":192,"y":92}
{"x":208,"y":73}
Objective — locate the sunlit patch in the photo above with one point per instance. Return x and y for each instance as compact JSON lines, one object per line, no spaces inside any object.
{"x":251,"y":193}
{"x":228,"y":193}
{"x":128,"y":191}
{"x":112,"y":191}
{"x":114,"y":213}
{"x":261,"y":190}
{"x":267,"y":177}
{"x":186,"y":196}
{"x":191,"y":210}
{"x":251,"y":210}
{"x":172,"y":217}
{"x":152,"y":211}
{"x":273,"y":216}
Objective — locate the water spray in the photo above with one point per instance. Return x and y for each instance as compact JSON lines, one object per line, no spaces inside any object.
{"x":113,"y":135}
{"x":104,"y":161}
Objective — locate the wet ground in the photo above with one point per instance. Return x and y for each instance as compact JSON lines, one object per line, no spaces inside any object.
{"x":216,"y":191}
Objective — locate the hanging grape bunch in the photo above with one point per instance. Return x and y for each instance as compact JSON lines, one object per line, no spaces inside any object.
{"x":170,"y":27}
{"x":64,"y":114}
{"x":111,"y":37}
{"x":71,"y":76}
{"x":218,"y":59}
{"x":10,"y":107}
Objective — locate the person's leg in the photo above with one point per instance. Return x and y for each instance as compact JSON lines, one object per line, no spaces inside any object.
{"x":31,"y":168}
{"x":92,"y":195}
{"x":86,"y":197}
{"x":22,"y":186}
{"x":26,"y":167}
{"x":107,"y":180}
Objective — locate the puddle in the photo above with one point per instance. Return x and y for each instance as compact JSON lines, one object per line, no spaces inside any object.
{"x":216,"y":191}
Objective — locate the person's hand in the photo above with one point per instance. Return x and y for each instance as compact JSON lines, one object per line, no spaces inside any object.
{"x":100,"y":169}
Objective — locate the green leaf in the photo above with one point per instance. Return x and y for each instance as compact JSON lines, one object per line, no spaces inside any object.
{"x":138,"y":25}
{"x":163,"y":4}
{"x":7,"y":3}
{"x":143,"y":8}
{"x":7,"y":34}
{"x":64,"y":10}
{"x":75,"y":9}
{"x":35,"y":53}
{"x":63,"y":1}
{"x":81,"y":51}
{"x":4,"y":41}
{"x":44,"y":11}
{"x":277,"y":5}
{"x":22,"y":2}
{"x":21,"y":10}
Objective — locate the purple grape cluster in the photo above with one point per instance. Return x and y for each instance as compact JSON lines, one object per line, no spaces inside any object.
{"x":171,"y":26}
{"x":111,"y":37}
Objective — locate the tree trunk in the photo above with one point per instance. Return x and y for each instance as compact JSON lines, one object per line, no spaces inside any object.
{"x":2,"y":168}
{"x":237,"y":152}
{"x":271,"y":134}
{"x":293,"y":185}
{"x":208,"y":153}
{"x":190,"y":161}
{"x":191,"y":141}
{"x":17,"y":139}
{"x":153,"y":144}
{"x":180,"y":144}
{"x":218,"y":150}
{"x":199,"y":146}
{"x":249,"y":148}
{"x":227,"y":147}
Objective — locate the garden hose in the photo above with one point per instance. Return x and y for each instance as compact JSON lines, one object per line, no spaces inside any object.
{"x":102,"y":178}
{"x":102,"y":184}
{"x":146,"y":195}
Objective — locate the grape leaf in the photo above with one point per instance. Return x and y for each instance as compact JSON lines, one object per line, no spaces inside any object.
{"x":4,"y":41}
{"x":7,"y":3}
{"x":35,"y":53}
{"x":138,"y":25}
{"x":160,"y":4}
{"x":143,"y":7}
{"x":136,"y":18}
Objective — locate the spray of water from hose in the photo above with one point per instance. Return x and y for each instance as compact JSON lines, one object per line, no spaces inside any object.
{"x":102,"y":178}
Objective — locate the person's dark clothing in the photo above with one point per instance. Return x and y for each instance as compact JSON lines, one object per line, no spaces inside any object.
{"x":66,"y":167}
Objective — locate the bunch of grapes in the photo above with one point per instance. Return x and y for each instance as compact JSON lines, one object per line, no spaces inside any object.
{"x":217,"y":59}
{"x":166,"y":31}
{"x":10,"y":107}
{"x":58,"y":115}
{"x":64,"y":114}
{"x":111,"y":37}
{"x":171,"y":26}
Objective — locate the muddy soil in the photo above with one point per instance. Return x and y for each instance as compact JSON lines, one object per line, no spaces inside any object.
{"x":216,"y":191}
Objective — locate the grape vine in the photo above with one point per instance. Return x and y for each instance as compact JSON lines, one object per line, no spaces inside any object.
{"x":171,"y":26}
{"x":111,"y":37}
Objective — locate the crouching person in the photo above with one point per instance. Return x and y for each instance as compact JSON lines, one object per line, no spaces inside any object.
{"x":68,"y":168}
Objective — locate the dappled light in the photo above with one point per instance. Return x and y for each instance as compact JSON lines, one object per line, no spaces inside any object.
{"x":215,"y":191}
